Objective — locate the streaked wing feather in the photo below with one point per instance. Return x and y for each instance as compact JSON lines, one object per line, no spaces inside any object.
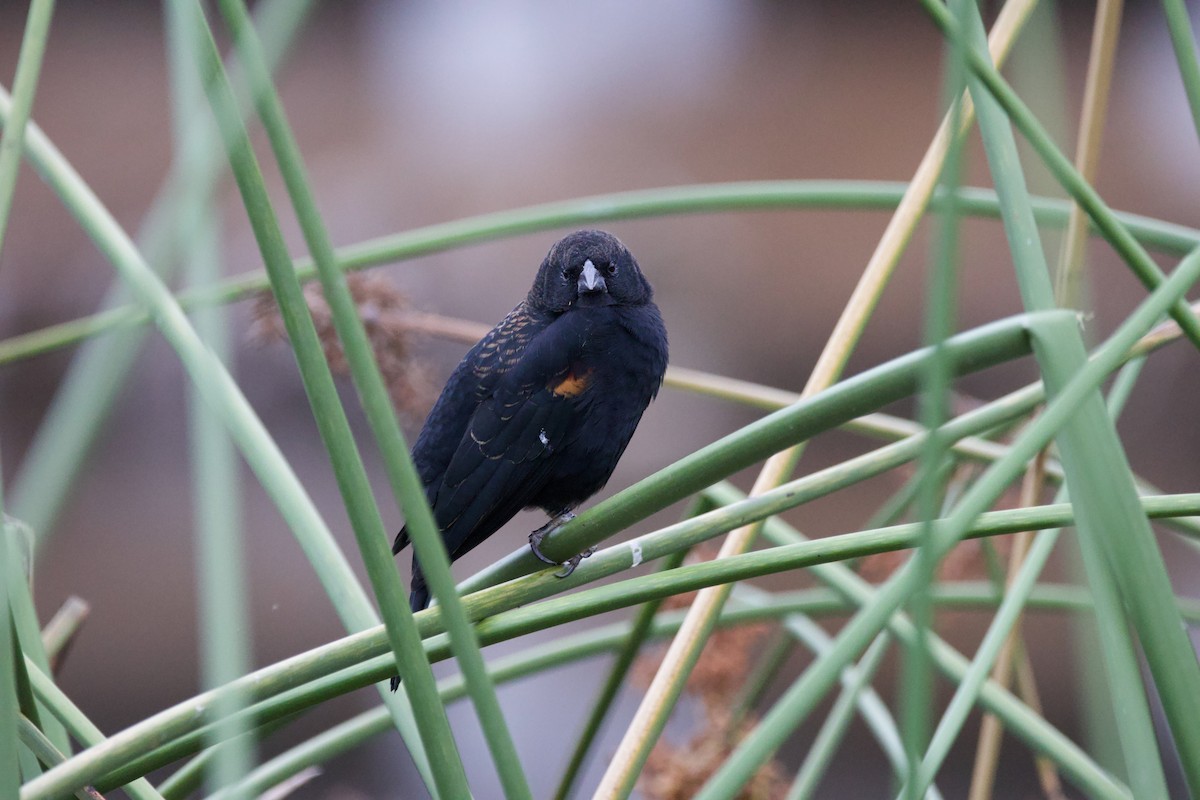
{"x":502,"y":462}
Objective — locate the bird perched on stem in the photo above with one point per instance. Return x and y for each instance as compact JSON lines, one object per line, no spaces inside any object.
{"x":539,"y":411}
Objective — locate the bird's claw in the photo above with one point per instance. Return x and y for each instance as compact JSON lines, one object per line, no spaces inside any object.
{"x":535,"y":541}
{"x":571,"y":563}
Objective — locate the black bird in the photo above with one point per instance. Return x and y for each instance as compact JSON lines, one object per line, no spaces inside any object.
{"x":539,"y":411}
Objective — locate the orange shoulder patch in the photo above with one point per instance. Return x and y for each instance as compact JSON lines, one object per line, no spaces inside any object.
{"x":573,"y":385}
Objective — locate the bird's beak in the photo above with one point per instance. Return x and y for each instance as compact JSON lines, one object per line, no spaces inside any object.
{"x":590,"y":280}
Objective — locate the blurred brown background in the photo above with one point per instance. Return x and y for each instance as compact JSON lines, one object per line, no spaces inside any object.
{"x":416,"y":113}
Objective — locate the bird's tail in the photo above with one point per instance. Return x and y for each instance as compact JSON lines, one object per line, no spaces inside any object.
{"x":401,"y":541}
{"x":418,"y":598}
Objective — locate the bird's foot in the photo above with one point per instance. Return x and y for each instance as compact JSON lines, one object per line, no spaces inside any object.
{"x":536,"y":538}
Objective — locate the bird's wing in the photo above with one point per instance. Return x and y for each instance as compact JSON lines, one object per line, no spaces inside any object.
{"x":504,"y":456}
{"x":472,"y":381}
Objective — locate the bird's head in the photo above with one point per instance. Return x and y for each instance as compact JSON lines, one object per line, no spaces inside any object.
{"x":588,"y":268}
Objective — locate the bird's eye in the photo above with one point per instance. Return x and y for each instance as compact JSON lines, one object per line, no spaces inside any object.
{"x":610,"y":269}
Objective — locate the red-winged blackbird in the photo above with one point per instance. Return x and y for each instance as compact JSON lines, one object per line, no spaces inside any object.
{"x":539,"y":411}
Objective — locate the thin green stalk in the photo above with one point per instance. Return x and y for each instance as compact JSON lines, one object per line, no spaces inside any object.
{"x":1114,"y":672}
{"x":1118,"y":673}
{"x":749,"y":196}
{"x":941,"y":296}
{"x":1099,"y":476}
{"x":217,"y":501}
{"x":99,"y":372}
{"x":22,"y":612}
{"x":10,"y":772}
{"x":29,"y":67}
{"x":406,"y":484}
{"x":1120,"y":669}
{"x":221,"y":579}
{"x":1183,"y":40}
{"x":1141,"y":757}
{"x":333,"y":426}
{"x":1070,"y":292}
{"x":80,"y":727}
{"x":27,"y":706}
{"x":1000,"y":146}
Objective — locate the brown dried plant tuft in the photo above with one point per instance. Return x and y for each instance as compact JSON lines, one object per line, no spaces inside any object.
{"x":723,"y":664}
{"x":678,"y":773}
{"x":388,"y":317}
